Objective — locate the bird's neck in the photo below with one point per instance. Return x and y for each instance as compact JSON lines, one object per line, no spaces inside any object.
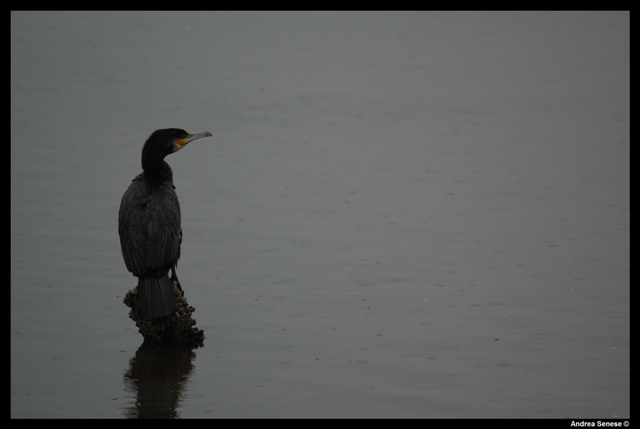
{"x":156,"y":169}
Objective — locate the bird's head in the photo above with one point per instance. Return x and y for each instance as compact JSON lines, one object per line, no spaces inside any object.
{"x":167,"y":141}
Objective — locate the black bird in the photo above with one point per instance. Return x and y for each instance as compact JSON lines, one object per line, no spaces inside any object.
{"x":149,"y":223}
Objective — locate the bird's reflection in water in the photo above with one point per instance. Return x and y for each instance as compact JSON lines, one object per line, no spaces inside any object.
{"x":156,"y":377}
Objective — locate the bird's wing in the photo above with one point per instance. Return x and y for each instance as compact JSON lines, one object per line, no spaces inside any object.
{"x":162,"y":220}
{"x":149,"y":227}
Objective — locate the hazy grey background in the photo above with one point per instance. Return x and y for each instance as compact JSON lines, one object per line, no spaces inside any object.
{"x":399,"y":214}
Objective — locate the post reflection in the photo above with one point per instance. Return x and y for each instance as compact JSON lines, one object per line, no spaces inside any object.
{"x":156,"y":376}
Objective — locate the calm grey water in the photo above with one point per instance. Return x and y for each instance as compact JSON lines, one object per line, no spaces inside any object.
{"x":399,"y":214}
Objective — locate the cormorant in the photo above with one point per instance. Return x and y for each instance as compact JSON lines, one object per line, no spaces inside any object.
{"x":149,"y":223}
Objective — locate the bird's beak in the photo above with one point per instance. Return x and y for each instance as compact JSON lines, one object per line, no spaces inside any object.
{"x":183,"y":141}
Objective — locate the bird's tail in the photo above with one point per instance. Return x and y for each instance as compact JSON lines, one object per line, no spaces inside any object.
{"x":155,"y":296}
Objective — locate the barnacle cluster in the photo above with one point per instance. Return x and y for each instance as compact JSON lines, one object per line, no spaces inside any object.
{"x":178,"y":327}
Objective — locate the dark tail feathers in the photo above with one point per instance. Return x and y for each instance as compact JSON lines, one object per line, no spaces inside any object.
{"x":155,"y":296}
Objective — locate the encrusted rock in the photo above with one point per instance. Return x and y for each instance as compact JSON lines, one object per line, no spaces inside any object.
{"x":178,"y":327}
